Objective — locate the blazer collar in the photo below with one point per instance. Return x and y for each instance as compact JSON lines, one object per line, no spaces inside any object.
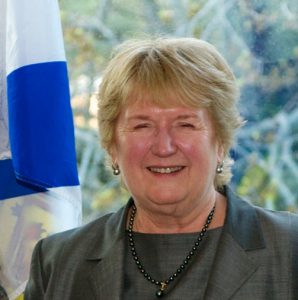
{"x":240,"y":250}
{"x":114,"y":230}
{"x":242,"y":223}
{"x":106,"y":259}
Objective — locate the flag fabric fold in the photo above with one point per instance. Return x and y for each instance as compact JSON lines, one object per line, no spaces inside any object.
{"x":39,"y":186}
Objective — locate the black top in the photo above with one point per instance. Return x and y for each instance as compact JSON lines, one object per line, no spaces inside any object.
{"x":161,"y":255}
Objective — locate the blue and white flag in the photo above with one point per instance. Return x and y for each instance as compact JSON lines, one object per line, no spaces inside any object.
{"x":39,"y":187}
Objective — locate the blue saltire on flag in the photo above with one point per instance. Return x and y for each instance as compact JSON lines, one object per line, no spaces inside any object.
{"x":39,"y":186}
{"x":40,"y":125}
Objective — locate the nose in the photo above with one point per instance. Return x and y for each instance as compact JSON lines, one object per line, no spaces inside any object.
{"x":164,"y":143}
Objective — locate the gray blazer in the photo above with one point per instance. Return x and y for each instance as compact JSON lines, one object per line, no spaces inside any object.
{"x":256,"y":258}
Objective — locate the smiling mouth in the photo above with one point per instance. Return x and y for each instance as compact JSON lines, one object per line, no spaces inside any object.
{"x":167,"y":170}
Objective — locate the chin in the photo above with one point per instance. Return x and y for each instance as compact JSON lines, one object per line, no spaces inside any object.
{"x":166,"y":199}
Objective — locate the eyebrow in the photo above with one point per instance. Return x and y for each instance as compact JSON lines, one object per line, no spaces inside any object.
{"x":138,"y":117}
{"x":180,"y":117}
{"x":188,"y":116}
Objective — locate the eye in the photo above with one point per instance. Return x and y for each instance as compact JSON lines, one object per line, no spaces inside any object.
{"x":186,"y":125}
{"x":141,"y":125}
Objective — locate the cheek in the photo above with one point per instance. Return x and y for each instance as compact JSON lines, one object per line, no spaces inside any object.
{"x":200,"y":151}
{"x":131,"y":150}
{"x":196,"y":155}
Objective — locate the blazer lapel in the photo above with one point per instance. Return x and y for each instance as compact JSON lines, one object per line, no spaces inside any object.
{"x":106,"y":260}
{"x":240,"y":250}
{"x":231,"y":269}
{"x":106,"y":273}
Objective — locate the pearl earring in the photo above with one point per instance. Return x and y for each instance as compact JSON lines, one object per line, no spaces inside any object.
{"x":116,"y":170}
{"x":219,"y":168}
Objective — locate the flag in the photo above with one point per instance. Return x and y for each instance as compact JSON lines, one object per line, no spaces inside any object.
{"x":39,"y":186}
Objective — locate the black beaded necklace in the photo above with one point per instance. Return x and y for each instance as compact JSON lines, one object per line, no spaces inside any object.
{"x":163,"y":284}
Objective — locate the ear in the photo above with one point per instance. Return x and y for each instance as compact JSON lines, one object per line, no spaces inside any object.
{"x":220,"y":152}
{"x":113,"y":153}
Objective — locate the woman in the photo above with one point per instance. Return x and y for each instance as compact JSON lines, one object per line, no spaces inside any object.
{"x":167,"y":118}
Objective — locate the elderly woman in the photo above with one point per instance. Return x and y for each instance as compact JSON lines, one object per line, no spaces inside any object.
{"x":167,"y":119}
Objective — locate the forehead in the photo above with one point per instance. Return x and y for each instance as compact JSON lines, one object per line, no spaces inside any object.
{"x":148,"y":110}
{"x":163,"y":96}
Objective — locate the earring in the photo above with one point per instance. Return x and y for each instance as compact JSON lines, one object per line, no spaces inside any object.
{"x":219,"y":168}
{"x":116,"y":170}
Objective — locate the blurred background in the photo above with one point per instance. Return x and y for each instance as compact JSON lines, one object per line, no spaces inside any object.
{"x":259,"y":39}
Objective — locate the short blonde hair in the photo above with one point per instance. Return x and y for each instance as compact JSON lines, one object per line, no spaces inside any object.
{"x":191,"y":69}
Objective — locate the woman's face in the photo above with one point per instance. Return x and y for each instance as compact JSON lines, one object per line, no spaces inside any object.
{"x":167,"y":156}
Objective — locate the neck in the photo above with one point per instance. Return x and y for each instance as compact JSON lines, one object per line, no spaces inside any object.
{"x":190,"y":221}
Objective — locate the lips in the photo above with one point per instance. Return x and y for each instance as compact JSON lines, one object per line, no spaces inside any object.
{"x":165,"y":170}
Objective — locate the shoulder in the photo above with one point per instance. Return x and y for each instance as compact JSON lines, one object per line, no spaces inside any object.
{"x":278,"y":222}
{"x":280,"y":232}
{"x":269,"y":238}
{"x":81,"y":240}
{"x":79,"y":234}
{"x":253,"y":226}
{"x":242,"y":211}
{"x":56,"y":258}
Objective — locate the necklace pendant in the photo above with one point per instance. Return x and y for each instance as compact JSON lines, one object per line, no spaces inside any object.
{"x":160,"y":293}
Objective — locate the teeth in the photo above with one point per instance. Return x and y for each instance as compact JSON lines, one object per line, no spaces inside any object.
{"x":167,"y":170}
